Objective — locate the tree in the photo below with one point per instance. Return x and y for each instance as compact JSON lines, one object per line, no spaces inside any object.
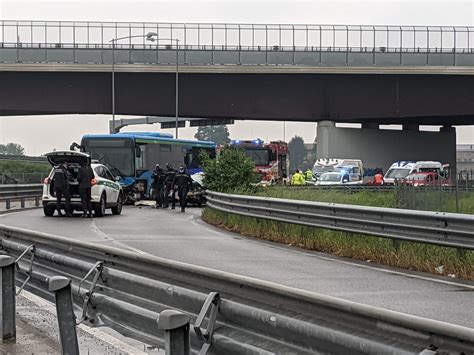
{"x":297,"y":152}
{"x":217,"y":134}
{"x":230,"y":171}
{"x":12,"y":149}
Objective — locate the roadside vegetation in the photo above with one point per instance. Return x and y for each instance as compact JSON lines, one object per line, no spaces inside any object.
{"x":20,"y":167}
{"x":231,"y":172}
{"x":406,"y":255}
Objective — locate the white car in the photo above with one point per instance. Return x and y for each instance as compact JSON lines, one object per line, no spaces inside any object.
{"x":335,"y":178}
{"x":106,"y":191}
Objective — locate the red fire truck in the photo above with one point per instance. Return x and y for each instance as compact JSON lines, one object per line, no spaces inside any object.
{"x":271,"y":159}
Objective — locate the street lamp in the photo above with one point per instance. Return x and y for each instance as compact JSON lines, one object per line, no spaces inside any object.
{"x":149,"y":37}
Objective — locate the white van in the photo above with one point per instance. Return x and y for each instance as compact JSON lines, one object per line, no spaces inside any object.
{"x":402,"y":168}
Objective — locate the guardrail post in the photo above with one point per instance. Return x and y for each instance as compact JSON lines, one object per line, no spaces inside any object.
{"x":37,"y":201}
{"x":22,"y":202}
{"x":176,"y":327}
{"x":7,"y":202}
{"x":61,"y":286}
{"x":7,"y":301}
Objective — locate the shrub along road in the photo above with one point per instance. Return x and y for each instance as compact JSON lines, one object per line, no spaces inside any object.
{"x":184,"y":237}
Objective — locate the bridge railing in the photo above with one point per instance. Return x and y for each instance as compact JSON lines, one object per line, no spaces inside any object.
{"x":452,"y":41}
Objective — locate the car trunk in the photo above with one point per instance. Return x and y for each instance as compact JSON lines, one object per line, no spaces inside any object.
{"x":73,"y":161}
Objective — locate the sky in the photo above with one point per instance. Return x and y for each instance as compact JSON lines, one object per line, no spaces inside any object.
{"x":40,"y":134}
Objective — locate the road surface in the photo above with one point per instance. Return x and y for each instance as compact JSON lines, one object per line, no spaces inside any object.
{"x":185,"y":237}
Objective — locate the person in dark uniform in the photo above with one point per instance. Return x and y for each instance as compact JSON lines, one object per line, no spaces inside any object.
{"x":158,"y":185}
{"x":84,"y":177}
{"x":61,"y":179}
{"x":183,"y":183}
{"x":169,"y":177}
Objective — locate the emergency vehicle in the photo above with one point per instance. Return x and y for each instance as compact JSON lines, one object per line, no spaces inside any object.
{"x":271,"y":159}
{"x":352,"y":166}
{"x":399,"y":170}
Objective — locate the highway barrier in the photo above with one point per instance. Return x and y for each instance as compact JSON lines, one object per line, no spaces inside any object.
{"x":9,"y":193}
{"x":147,"y":298}
{"x":438,"y":228}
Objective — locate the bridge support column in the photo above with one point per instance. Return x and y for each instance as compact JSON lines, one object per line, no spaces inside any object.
{"x":378,"y":148}
{"x":411,"y":127}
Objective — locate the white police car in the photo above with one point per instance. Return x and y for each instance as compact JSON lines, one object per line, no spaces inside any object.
{"x":106,"y":191}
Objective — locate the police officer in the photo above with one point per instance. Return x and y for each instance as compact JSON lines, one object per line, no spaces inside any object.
{"x":169,"y":177}
{"x":183,"y":183}
{"x":61,"y":179}
{"x":84,"y":178}
{"x":158,"y":185}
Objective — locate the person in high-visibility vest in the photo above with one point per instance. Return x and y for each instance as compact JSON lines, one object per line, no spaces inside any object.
{"x":297,"y":178}
{"x":378,"y":178}
{"x":308,"y":175}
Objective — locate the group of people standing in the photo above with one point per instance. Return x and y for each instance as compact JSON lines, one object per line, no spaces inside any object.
{"x":167,"y":182}
{"x":300,"y":178}
{"x":62,"y":179}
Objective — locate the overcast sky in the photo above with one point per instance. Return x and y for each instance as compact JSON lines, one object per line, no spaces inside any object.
{"x":43,"y":133}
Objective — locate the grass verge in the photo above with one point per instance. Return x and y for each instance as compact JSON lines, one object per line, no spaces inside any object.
{"x":407,"y":198}
{"x":406,"y":255}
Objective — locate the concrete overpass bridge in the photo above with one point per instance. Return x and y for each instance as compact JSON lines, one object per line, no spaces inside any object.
{"x":361,"y":74}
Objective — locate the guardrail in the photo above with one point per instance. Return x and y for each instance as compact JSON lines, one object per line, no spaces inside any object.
{"x":438,"y":228}
{"x":230,"y":314}
{"x":9,"y":193}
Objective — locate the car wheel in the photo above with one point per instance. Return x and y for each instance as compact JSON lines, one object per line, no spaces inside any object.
{"x":118,"y":208}
{"x":100,"y":209}
{"x":49,"y":211}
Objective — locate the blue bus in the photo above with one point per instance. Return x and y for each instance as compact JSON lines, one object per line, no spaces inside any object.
{"x":133,"y":156}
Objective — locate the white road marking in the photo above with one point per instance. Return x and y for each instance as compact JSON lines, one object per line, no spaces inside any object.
{"x":102,"y":235}
{"x":196,"y":220}
{"x":106,"y":338}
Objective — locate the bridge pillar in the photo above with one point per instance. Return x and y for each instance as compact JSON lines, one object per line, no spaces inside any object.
{"x":381,"y":147}
{"x":370,"y":125}
{"x":411,"y":127}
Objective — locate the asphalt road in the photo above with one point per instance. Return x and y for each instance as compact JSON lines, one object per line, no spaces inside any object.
{"x":185,"y":237}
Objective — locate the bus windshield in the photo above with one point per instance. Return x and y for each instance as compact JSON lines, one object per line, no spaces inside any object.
{"x":117,"y":153}
{"x":260,"y":156}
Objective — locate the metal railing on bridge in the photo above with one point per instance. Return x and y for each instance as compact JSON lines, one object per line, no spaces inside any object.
{"x":237,"y":44}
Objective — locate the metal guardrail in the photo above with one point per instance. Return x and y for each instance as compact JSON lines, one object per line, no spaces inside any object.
{"x":230,"y":314}
{"x":438,"y":228}
{"x":9,"y":193}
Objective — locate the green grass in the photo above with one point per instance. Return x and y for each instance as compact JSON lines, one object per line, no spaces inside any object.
{"x":419,"y":199}
{"x":408,"y":255}
{"x":363,"y":198}
{"x":20,"y":167}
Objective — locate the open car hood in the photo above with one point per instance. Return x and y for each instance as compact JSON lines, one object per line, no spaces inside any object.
{"x":68,"y":157}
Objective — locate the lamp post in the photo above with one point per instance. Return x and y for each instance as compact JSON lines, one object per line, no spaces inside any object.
{"x":149,"y":37}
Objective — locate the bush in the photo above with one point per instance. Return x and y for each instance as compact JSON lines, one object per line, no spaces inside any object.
{"x":231,"y":170}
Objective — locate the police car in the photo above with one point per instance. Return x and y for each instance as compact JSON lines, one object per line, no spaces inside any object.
{"x":106,"y":191}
